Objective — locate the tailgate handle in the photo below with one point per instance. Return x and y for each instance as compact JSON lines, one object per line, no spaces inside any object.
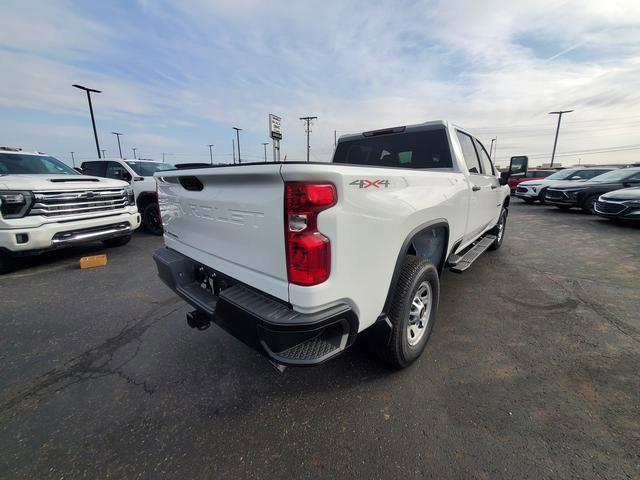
{"x":475,"y":188}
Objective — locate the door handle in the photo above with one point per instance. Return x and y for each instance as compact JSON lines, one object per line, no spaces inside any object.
{"x":475,"y":188}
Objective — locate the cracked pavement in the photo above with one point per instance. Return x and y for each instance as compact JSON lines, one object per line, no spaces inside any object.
{"x":532,"y":371}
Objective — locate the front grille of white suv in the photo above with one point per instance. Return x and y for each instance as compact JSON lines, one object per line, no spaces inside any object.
{"x":78,"y":202}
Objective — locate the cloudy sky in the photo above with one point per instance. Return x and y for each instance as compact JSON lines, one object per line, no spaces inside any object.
{"x":177,"y":76}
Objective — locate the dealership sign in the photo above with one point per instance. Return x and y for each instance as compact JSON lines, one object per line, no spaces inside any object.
{"x":275,"y":128}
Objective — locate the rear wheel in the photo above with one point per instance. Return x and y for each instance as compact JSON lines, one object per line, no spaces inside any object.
{"x":589,"y":204}
{"x":151,"y":219}
{"x":413,"y":311}
{"x":117,"y":242}
{"x":499,"y":229}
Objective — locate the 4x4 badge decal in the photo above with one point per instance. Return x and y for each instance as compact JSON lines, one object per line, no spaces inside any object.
{"x":364,"y":183}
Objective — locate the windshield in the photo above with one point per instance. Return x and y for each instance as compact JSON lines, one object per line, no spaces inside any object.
{"x":147,"y":169}
{"x":562,"y":174}
{"x":20,"y":164}
{"x":613,"y":176}
{"x":424,"y":149}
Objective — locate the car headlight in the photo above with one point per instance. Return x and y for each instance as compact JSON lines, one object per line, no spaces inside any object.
{"x":15,"y":204}
{"x":632,"y":203}
{"x":131,"y":198}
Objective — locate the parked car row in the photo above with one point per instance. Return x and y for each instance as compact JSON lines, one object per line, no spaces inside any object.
{"x":46,"y":205}
{"x":606,"y":191}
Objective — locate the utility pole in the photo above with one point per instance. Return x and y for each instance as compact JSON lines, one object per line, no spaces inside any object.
{"x":264,"y":144}
{"x":134,"y":152}
{"x":495,"y":149}
{"x":335,"y":138}
{"x":117,"y":134}
{"x":93,"y":120}
{"x":162,"y":157}
{"x":555,"y":141}
{"x":308,"y":121}
{"x":233,"y":146}
{"x":103,"y":153}
{"x":238,"y":137}
{"x":73,"y":160}
{"x":211,"y":152}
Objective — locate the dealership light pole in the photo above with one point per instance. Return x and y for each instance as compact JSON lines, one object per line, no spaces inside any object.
{"x":238,"y":137}
{"x":73,"y":160}
{"x":555,"y":141}
{"x":103,"y":153}
{"x":134,"y":152}
{"x":264,"y":144}
{"x":211,"y":145}
{"x":308,"y":121}
{"x":117,"y":134}
{"x":93,"y":120}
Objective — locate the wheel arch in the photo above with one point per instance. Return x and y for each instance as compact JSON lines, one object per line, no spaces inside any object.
{"x":144,"y":199}
{"x":430,"y":241}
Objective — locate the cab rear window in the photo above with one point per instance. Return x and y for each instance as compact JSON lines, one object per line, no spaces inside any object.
{"x":423,"y":149}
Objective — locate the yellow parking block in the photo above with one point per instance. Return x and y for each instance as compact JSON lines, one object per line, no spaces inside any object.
{"x":93,"y":261}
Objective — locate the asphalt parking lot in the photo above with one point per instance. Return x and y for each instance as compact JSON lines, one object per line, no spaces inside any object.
{"x":532,"y":372}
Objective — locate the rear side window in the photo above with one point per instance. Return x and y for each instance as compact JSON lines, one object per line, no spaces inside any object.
{"x":485,"y":161}
{"x":423,"y":149}
{"x":117,"y":171}
{"x":97,"y":169}
{"x":469,"y":152}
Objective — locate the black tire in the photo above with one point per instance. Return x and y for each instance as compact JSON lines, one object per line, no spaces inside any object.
{"x":151,"y":219}
{"x":589,"y":203}
{"x":499,"y":230}
{"x":117,"y":242}
{"x":541,"y":196}
{"x":7,"y":264}
{"x":564,"y":208}
{"x":415,"y":273}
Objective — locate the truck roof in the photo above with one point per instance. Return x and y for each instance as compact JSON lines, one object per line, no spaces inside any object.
{"x":19,"y":151}
{"x":398,"y":129}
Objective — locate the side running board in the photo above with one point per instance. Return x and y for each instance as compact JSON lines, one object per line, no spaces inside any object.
{"x":459,"y":263}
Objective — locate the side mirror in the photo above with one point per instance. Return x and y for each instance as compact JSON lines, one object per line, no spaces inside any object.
{"x":576,"y":177}
{"x":504,"y":180}
{"x":138,"y":179}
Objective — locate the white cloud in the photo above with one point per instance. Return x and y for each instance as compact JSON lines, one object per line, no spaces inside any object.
{"x":356,"y":65}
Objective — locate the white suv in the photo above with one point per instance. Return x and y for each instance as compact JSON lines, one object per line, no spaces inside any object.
{"x":44,"y":205}
{"x":139,"y":174}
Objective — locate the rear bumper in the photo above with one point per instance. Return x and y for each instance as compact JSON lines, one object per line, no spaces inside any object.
{"x":268,"y":325}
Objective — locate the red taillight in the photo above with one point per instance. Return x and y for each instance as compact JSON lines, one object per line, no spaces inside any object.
{"x":308,"y":250}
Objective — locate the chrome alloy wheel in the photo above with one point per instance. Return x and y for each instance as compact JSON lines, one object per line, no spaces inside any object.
{"x":419,"y":314}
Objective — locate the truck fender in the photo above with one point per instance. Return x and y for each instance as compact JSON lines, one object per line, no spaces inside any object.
{"x":431,"y":241}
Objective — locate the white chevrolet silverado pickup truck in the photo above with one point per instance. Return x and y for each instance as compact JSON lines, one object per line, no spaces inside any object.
{"x":45,"y":205}
{"x":296,"y":259}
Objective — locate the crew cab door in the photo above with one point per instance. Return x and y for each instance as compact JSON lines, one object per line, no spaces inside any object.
{"x":483,"y":187}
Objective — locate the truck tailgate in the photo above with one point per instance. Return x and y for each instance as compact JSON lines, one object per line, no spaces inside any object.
{"x":230,"y":219}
